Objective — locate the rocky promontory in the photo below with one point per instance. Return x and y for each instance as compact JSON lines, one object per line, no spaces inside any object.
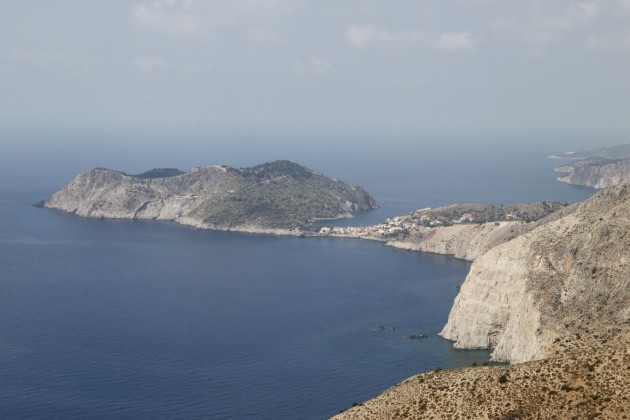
{"x":597,"y":168}
{"x":280,"y":197}
{"x":595,"y":172}
{"x":556,"y":302}
{"x":464,"y":231}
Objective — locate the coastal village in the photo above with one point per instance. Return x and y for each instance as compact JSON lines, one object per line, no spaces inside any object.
{"x":456,"y":214}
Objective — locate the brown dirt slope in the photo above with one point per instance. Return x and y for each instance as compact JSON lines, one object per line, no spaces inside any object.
{"x":579,"y":385}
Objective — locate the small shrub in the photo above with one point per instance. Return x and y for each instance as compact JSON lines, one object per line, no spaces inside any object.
{"x":503,"y":379}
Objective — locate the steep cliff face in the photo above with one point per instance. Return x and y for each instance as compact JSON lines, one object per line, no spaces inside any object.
{"x":596,"y":172}
{"x":597,"y":168}
{"x":277,"y":197}
{"x":568,"y":276}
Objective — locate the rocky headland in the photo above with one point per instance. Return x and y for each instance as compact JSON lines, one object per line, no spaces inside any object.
{"x":598,"y":168}
{"x":556,"y":302}
{"x":280,"y":197}
{"x":464,"y":231}
{"x":595,"y":172}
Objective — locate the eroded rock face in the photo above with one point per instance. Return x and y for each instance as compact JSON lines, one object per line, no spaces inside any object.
{"x":598,"y":174}
{"x":567,"y":276}
{"x":279,"y":197}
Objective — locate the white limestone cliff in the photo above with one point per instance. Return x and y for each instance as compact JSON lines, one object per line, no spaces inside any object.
{"x":567,"y":276}
{"x":598,"y":175}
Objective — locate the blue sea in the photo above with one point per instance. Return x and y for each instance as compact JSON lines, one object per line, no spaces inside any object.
{"x":137,"y":319}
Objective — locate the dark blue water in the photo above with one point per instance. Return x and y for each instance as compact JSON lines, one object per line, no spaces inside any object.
{"x":102,"y":319}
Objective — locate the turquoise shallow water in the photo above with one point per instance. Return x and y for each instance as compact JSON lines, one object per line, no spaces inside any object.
{"x":102,"y":319}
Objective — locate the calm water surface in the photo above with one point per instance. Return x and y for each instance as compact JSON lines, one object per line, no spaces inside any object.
{"x":102,"y":319}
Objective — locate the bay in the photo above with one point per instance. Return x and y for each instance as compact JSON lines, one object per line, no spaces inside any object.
{"x":130,"y":319}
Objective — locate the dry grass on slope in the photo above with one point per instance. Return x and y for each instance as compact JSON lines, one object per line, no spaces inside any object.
{"x":593,"y":384}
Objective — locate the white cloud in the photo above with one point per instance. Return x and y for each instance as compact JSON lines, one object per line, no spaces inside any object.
{"x":261,"y":35}
{"x":35,"y":56}
{"x":582,"y":12}
{"x":362,"y":36}
{"x":29,"y":54}
{"x":200,"y":18}
{"x":150,"y":63}
{"x":614,"y":42}
{"x":542,"y":28}
{"x":313,"y":67}
{"x":38,"y":57}
{"x":365,"y":36}
{"x":453,"y":41}
{"x":598,"y":42}
{"x":257,"y":5}
{"x":172,"y":16}
{"x":623,"y":6}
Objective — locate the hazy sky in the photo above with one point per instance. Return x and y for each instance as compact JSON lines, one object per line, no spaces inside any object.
{"x":450,"y":65}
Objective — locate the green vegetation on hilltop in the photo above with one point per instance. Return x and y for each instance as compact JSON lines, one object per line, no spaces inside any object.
{"x":283,"y":195}
{"x":484,"y":213}
{"x":159,"y":173}
{"x":276,"y":169}
{"x":279,"y":195}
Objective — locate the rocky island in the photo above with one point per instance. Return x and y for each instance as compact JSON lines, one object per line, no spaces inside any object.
{"x":280,"y":197}
{"x":598,"y":168}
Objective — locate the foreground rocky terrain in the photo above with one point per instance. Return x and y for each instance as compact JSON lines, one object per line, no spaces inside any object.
{"x":281,"y":197}
{"x":589,"y":384}
{"x":556,"y":301}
